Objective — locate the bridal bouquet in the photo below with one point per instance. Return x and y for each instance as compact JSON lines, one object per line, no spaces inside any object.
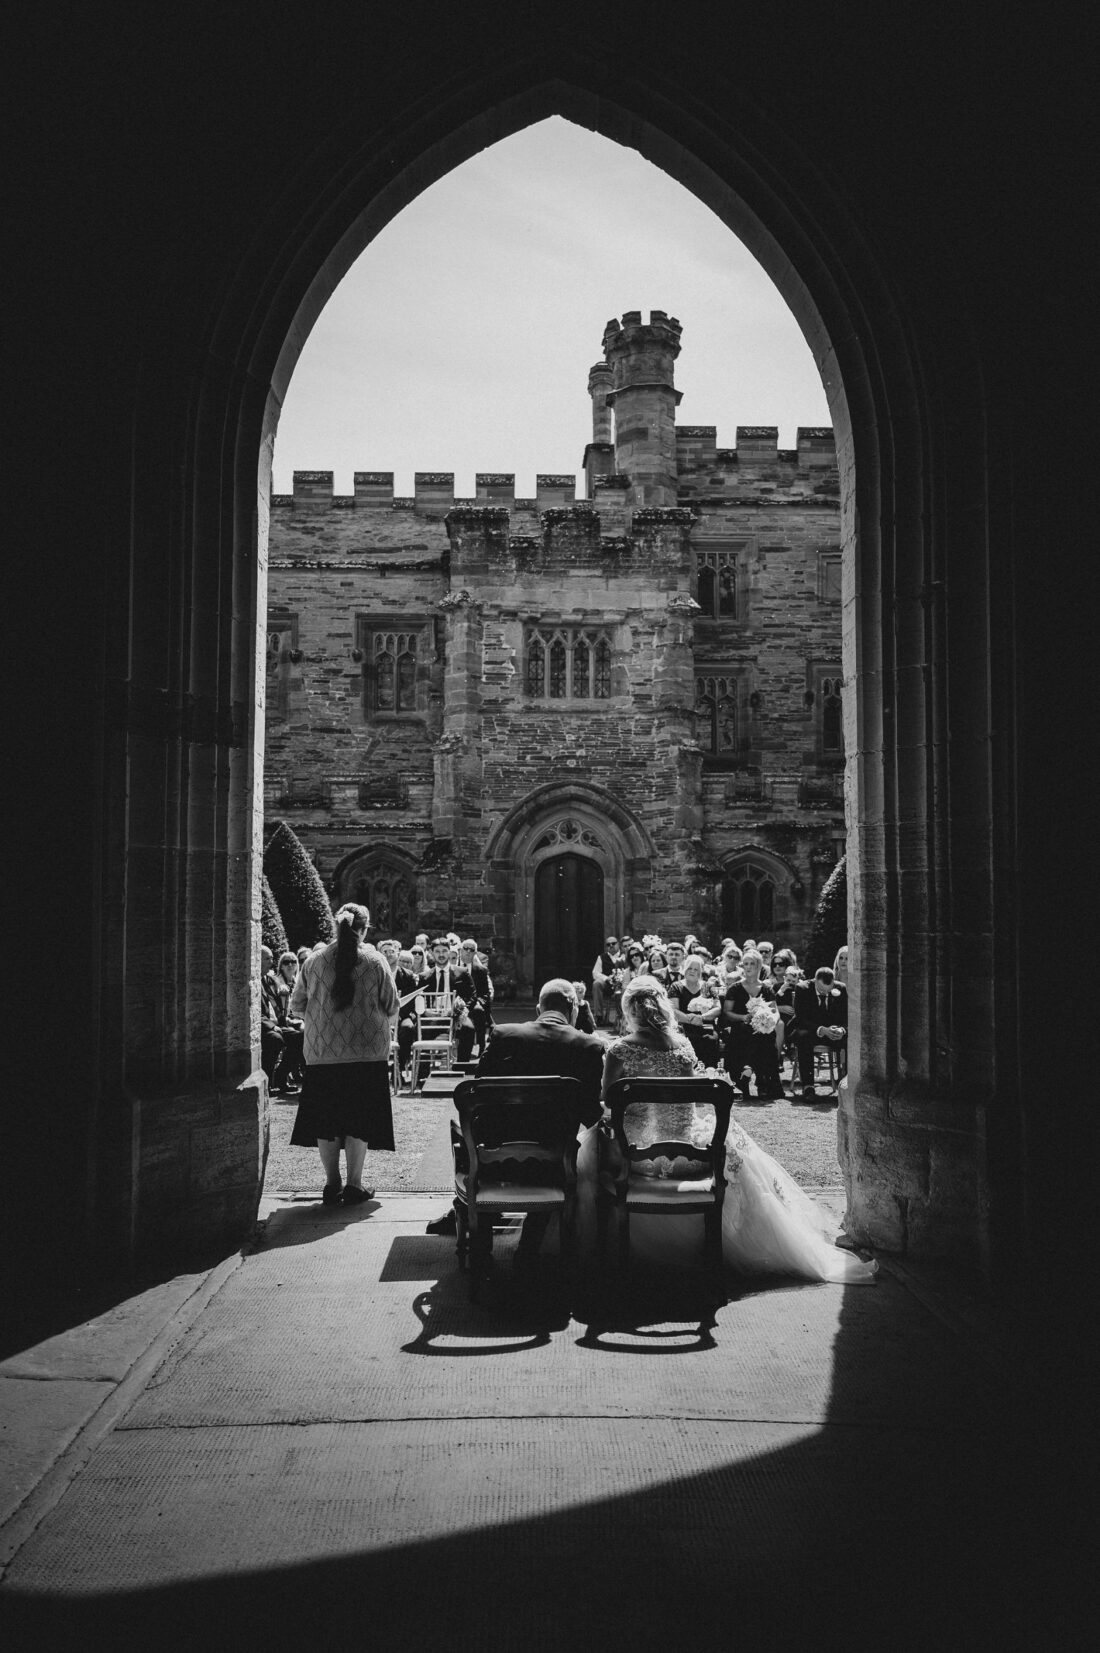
{"x":763,"y":1017}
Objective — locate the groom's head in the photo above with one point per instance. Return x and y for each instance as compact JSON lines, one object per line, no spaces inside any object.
{"x":559,"y":995}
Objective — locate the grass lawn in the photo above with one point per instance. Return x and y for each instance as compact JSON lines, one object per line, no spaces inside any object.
{"x":801,"y":1138}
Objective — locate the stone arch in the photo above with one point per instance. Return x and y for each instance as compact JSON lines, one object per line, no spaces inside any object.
{"x":580,"y":818}
{"x":905,"y":394}
{"x":383,"y":874}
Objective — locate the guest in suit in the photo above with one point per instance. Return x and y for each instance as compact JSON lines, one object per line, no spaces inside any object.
{"x":445,"y":977}
{"x":820,"y":1015}
{"x":481,"y":1005}
{"x":549,"y":1045}
{"x":604,"y":993}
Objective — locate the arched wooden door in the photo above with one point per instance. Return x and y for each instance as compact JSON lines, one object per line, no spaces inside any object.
{"x":568,"y":917}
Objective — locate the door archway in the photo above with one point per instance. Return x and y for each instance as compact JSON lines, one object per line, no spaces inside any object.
{"x":907,"y":405}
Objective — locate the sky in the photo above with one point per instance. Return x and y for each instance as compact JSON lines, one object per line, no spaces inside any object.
{"x":461,"y":338}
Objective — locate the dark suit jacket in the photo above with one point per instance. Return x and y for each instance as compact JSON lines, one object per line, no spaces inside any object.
{"x":462,"y":984}
{"x":808,"y":1014}
{"x":549,"y":1046}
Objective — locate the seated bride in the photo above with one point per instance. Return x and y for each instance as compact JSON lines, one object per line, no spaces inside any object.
{"x":769,"y":1225}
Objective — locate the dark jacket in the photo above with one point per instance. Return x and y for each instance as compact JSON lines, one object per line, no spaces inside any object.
{"x":549,"y":1046}
{"x":809,"y":1015}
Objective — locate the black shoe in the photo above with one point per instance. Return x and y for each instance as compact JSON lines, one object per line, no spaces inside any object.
{"x":332,"y":1193}
{"x":743,"y":1085}
{"x":447,"y":1224}
{"x":357,"y":1196}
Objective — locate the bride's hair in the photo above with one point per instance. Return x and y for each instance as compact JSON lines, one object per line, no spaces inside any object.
{"x":646,"y":1007}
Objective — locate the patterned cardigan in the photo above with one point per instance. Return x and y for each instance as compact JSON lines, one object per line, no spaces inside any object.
{"x":361,"y":1033}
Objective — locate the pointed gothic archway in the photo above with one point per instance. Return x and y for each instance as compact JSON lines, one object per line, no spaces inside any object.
{"x":574,"y":845}
{"x":907,"y":404}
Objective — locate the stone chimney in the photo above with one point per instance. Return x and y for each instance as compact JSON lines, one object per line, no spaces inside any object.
{"x":644,"y":399}
{"x":599,"y":455}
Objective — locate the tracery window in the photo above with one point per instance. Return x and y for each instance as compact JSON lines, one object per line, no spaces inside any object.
{"x":748,"y":900}
{"x":718,"y":579}
{"x":282,"y":639}
{"x":832,"y":726}
{"x":393,"y":654}
{"x":716,"y":715}
{"x":566,"y":833}
{"x":567,"y":663}
{"x":389,"y":893}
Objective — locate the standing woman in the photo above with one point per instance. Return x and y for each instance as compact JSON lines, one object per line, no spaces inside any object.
{"x":345,"y":996}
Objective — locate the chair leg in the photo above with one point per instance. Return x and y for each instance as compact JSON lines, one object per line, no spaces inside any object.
{"x":462,"y":1229}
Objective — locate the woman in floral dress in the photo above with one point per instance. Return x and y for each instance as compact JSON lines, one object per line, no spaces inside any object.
{"x":769,"y":1225}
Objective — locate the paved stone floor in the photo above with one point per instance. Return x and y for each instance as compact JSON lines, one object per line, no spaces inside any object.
{"x":324,"y":1441}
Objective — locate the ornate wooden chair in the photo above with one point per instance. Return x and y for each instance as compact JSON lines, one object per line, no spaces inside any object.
{"x":434,"y":1045}
{"x":629,"y":1185}
{"x":515,"y":1150}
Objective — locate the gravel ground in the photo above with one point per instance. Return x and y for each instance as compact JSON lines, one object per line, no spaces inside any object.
{"x":802,"y":1138}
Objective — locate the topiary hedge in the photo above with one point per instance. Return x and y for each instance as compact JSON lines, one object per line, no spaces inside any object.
{"x":829,"y":927}
{"x":272,"y":933}
{"x":297,"y":889}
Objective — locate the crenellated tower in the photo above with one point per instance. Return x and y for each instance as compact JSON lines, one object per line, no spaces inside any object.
{"x":644,"y":399}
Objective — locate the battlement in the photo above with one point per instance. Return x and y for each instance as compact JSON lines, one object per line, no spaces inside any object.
{"x":632,"y":333}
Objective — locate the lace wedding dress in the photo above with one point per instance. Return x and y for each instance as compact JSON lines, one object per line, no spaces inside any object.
{"x":769,"y":1225}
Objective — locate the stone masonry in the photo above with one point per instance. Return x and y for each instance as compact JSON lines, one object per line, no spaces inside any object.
{"x":639,"y":691}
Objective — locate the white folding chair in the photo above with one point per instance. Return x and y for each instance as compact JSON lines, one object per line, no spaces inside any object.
{"x":434,"y":1045}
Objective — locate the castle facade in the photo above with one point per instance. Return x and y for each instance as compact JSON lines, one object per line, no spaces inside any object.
{"x":541,"y":721}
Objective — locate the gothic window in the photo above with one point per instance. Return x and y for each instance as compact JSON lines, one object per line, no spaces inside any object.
{"x":719,"y":581}
{"x":282,"y":640}
{"x":393,"y":653}
{"x":557,"y":669}
{"x":566,"y":833}
{"x":568,"y":663}
{"x":716,"y":715}
{"x":824,"y":697}
{"x":832,"y":730}
{"x":536,"y":667}
{"x":748,"y":901}
{"x":601,"y":689}
{"x":389,"y":893}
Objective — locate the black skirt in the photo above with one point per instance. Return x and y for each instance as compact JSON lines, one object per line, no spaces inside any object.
{"x":342,"y":1099}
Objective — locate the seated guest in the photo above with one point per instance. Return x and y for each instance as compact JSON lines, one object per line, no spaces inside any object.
{"x":418,"y":952}
{"x":608,"y":961}
{"x":389,"y":950}
{"x":765,"y":1028}
{"x":635,"y":963}
{"x":293,"y":1030}
{"x":696,"y":1011}
{"x":585,"y":1022}
{"x":481,"y":1005}
{"x":658,"y":965}
{"x":729,"y":963}
{"x":766,"y":949}
{"x":407,"y":980}
{"x":452,"y":979}
{"x":820,"y":1017}
{"x":274,"y":1046}
{"x":675,"y":953}
{"x":549,"y":1045}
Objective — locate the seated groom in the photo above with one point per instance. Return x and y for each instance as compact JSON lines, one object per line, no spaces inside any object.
{"x":820,"y":1017}
{"x":550,"y":1045}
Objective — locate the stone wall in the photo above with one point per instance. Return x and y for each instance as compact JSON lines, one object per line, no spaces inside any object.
{"x":436,"y":785}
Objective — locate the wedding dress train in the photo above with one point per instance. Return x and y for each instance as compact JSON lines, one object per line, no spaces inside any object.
{"x":769,"y":1224}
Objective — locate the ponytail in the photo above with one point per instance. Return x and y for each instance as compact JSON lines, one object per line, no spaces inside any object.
{"x":351,"y":924}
